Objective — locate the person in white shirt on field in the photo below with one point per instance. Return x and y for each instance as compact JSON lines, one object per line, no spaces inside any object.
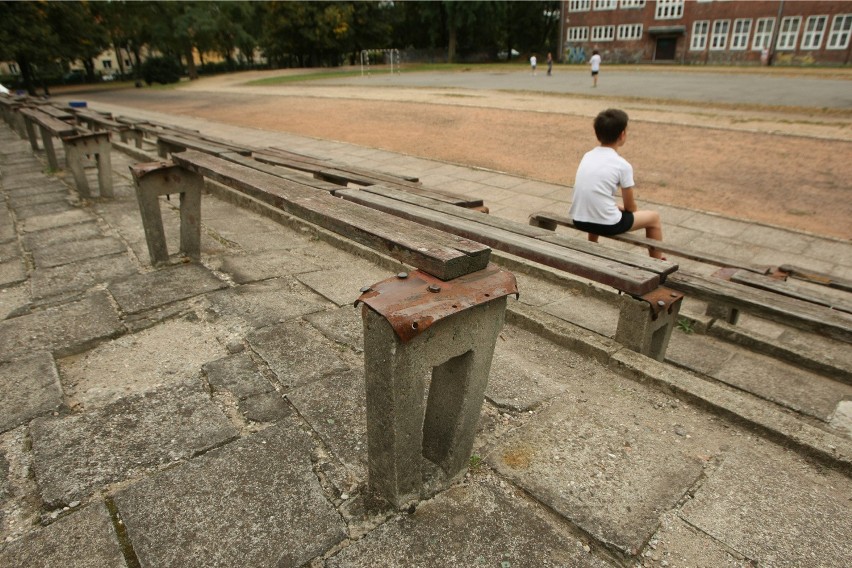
{"x":595,"y":63}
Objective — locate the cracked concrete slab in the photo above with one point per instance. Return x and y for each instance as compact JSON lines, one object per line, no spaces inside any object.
{"x":64,"y":253}
{"x":255,"y":502}
{"x":29,"y":387}
{"x":164,"y":286}
{"x":76,"y":454}
{"x":263,"y":266}
{"x":265,"y":303}
{"x":79,"y":277}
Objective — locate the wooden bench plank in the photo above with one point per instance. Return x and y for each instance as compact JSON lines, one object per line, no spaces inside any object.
{"x":175,"y":141}
{"x":280,"y":172}
{"x":626,"y":278}
{"x":54,"y":125}
{"x":662,"y":268}
{"x":816,"y":277}
{"x":440,"y":254}
{"x":782,"y":309}
{"x":789,"y":289}
{"x":544,"y":219}
{"x":323,"y":162}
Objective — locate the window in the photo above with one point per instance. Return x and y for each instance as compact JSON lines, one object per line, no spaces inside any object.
{"x":107,"y":64}
{"x":13,"y":69}
{"x":788,"y":32}
{"x":578,"y":34}
{"x":669,"y":9}
{"x":763,"y":33}
{"x":603,"y":33}
{"x":579,"y":5}
{"x":719,"y":40}
{"x":840,"y":28}
{"x":699,"y":35}
{"x":627,"y":4}
{"x":605,"y":4}
{"x":739,"y":39}
{"x":814,"y":30}
{"x":629,"y":32}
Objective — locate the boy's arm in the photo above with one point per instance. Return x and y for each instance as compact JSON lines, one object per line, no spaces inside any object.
{"x":628,"y":198}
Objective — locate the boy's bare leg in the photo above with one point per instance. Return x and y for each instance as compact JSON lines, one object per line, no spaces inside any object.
{"x":650,"y":221}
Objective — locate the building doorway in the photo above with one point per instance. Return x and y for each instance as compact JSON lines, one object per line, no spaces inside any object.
{"x":665,"y":49}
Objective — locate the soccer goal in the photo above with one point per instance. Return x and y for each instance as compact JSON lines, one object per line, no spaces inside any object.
{"x":379,"y":60}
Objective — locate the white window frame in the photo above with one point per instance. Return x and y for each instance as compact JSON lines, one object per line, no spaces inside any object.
{"x":841,"y":29}
{"x":629,"y":32}
{"x":814,"y":31}
{"x":700,"y":31}
{"x":788,"y":33}
{"x":631,"y":4}
{"x":603,"y":33}
{"x":669,"y":10}
{"x":579,"y":5}
{"x":600,"y":5}
{"x":719,"y":37}
{"x":578,"y":33}
{"x":763,"y":30}
{"x":740,"y":33}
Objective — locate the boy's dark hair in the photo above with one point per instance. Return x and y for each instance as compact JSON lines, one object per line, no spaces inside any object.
{"x":609,"y":125}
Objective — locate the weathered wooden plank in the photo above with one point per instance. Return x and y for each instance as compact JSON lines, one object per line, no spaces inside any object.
{"x":443,"y":255}
{"x":623,"y":277}
{"x":278,"y":171}
{"x":775,"y":307}
{"x":329,"y":163}
{"x":643,"y":262}
{"x":174,"y":141}
{"x":54,"y":125}
{"x":543,"y":219}
{"x":789,"y":289}
{"x":817,"y":277}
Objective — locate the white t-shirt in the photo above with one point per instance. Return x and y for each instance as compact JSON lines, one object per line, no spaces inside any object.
{"x":596,"y":62}
{"x":533,"y":61}
{"x":600,"y":174}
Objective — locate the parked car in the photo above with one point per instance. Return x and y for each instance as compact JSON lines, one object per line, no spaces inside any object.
{"x":503,"y":55}
{"x":3,"y":90}
{"x":108,"y":77}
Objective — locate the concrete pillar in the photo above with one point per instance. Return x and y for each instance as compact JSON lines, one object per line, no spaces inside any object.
{"x":31,"y":133}
{"x":425,"y":394}
{"x":76,"y":150}
{"x":163,"y":178}
{"x":47,"y":141}
{"x":645,"y":324}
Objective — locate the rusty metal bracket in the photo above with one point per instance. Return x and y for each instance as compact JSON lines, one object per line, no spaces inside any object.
{"x":413,"y":302}
{"x":661,"y":299}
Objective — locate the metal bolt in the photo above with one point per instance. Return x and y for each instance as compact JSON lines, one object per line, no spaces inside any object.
{"x":673,"y":294}
{"x":402,"y":275}
{"x":366,"y":289}
{"x":434,"y":288}
{"x":661,"y":303}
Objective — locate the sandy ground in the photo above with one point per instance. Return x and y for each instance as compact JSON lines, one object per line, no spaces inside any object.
{"x":782,"y":167}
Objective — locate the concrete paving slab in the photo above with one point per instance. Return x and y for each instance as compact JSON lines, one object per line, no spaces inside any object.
{"x":523,"y":369}
{"x":698,"y":353}
{"x":265,"y":303}
{"x":297,"y":353}
{"x":13,"y":300}
{"x":343,"y":325}
{"x":756,"y":499}
{"x":476,"y":524}
{"x":64,"y":253}
{"x":678,"y":543}
{"x":238,"y":374}
{"x":29,"y":387}
{"x":42,"y":209}
{"x":57,"y":235}
{"x":78,"y":277}
{"x":27,"y":184}
{"x":63,"y":330}
{"x":609,"y":466}
{"x":84,"y":539}
{"x":137,"y":363}
{"x":9,"y":251}
{"x":270,"y":264}
{"x":24,"y":200}
{"x":164,"y":286}
{"x":841,"y":420}
{"x":343,"y":285}
{"x":255,"y":502}
{"x":12,"y":272}
{"x":77,"y":454}
{"x":591,"y":313}
{"x":50,"y":221}
{"x":784,"y":384}
{"x":7,"y":228}
{"x":336,"y":408}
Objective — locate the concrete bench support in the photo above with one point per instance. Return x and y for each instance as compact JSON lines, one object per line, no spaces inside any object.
{"x":645,"y":323}
{"x":162,"y":178}
{"x":76,"y":150}
{"x":416,"y":327}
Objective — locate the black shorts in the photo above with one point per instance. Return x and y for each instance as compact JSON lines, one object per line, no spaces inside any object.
{"x":594,"y":72}
{"x":622,"y":226}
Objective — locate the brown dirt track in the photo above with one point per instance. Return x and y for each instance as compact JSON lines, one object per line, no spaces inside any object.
{"x":788,"y":170}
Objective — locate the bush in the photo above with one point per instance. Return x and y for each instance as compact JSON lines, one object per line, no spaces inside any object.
{"x":163,"y":70}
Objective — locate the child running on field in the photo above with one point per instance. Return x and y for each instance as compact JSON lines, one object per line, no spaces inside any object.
{"x":602,"y":172}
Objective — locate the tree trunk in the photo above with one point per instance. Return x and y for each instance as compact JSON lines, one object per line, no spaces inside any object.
{"x":190,"y":63}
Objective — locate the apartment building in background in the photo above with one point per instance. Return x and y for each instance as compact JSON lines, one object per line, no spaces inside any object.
{"x":715,"y":32}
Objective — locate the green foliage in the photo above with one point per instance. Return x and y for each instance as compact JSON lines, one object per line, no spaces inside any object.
{"x":685,"y":325}
{"x":163,"y":70}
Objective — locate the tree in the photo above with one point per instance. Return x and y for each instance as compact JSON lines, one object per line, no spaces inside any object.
{"x":28,"y":38}
{"x":81,"y":35}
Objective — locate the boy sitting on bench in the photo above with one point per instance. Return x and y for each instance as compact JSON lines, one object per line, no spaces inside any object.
{"x":601,"y":173}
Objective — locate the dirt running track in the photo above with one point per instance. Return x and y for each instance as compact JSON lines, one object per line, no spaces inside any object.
{"x":781,"y":168}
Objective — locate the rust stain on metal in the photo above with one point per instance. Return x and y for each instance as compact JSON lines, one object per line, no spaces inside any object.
{"x":142,"y":169}
{"x":662,"y":299}
{"x":412,"y":304}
